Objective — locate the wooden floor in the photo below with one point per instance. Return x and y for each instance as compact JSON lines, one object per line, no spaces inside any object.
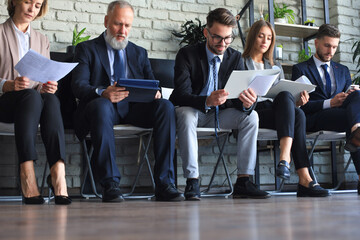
{"x":280,"y":217}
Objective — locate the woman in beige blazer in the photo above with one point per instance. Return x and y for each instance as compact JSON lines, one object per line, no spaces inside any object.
{"x":27,"y":103}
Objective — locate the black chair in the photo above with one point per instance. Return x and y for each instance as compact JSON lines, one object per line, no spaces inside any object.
{"x":64,"y":93}
{"x":163,"y":70}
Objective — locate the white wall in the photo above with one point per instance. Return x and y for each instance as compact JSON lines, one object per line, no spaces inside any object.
{"x":155,"y":19}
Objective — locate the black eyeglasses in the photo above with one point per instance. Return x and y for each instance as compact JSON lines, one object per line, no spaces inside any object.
{"x":218,"y":39}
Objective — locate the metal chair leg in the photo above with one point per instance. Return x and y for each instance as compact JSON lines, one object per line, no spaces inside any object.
{"x":43,"y":178}
{"x":221,"y":147}
{"x":144,"y":159}
{"x":343,"y":177}
{"x":87,"y":171}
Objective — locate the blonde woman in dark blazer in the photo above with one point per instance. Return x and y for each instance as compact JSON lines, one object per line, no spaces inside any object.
{"x":27,"y":103}
{"x":281,"y":113}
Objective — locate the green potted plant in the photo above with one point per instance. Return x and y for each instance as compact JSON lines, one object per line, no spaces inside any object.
{"x":309,"y":22}
{"x":356,"y":54}
{"x":282,"y":14}
{"x":76,"y":40}
{"x":192,"y":32}
{"x":303,"y":56}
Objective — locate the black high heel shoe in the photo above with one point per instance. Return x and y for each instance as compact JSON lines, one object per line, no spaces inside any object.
{"x":36,"y":200}
{"x":33,"y":200}
{"x":60,"y":200}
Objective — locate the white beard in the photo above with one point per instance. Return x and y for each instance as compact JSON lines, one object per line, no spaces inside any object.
{"x":114,"y":43}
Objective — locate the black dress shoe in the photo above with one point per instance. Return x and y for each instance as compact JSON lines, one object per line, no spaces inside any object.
{"x":33,"y":200}
{"x":352,"y":143}
{"x":112,"y":193}
{"x":168,"y":193}
{"x":314,"y":190}
{"x":60,"y":199}
{"x":192,"y":190}
{"x":283,"y":170}
{"x":248,"y":190}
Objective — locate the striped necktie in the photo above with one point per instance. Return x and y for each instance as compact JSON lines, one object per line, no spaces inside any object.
{"x":215,"y":78}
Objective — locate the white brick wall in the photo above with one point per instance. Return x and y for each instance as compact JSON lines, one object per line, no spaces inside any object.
{"x":154,"y":21}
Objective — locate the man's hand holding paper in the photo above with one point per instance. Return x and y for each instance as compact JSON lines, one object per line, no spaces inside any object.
{"x":248,"y":97}
{"x":217,"y":98}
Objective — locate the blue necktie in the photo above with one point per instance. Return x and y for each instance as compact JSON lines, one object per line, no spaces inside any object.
{"x":215,"y":78}
{"x":119,"y":72}
{"x":118,"y":66}
{"x":328,"y":80}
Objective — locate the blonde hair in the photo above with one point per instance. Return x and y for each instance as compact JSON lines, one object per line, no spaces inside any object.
{"x":251,"y":37}
{"x":11,"y":8}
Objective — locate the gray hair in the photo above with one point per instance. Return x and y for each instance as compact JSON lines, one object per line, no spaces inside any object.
{"x":121,"y":4}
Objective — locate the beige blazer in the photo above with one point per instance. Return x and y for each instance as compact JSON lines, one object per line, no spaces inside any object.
{"x":9,"y":50}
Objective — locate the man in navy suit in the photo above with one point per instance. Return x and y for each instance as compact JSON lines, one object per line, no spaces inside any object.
{"x":335,"y":104}
{"x":102,"y":104}
{"x":201,"y":72}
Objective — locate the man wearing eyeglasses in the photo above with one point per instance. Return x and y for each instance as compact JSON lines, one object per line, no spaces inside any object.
{"x":201,"y":72}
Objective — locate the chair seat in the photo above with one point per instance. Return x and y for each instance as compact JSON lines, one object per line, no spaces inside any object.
{"x":203,"y":132}
{"x":7,"y":129}
{"x":127,"y":130}
{"x":267,"y":134}
{"x":326,"y":136}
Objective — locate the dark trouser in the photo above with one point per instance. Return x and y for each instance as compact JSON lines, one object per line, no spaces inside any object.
{"x":27,"y":109}
{"x":339,"y":119}
{"x":100,"y":116}
{"x":289,"y":121}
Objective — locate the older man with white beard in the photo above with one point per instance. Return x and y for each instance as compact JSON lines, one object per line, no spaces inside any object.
{"x":102,"y":61}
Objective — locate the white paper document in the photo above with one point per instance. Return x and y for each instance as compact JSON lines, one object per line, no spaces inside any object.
{"x":258,"y":80}
{"x":41,"y":69}
{"x":293,"y":87}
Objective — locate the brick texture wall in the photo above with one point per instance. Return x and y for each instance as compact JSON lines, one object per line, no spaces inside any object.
{"x":154,"y":21}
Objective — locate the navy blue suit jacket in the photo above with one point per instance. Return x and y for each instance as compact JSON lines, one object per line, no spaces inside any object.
{"x":93,"y":71}
{"x":316,"y":101}
{"x":191,"y":75}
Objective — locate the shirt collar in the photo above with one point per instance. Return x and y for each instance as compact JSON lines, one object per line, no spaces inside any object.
{"x":318,"y":62}
{"x":211,"y":55}
{"x":18,"y":31}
